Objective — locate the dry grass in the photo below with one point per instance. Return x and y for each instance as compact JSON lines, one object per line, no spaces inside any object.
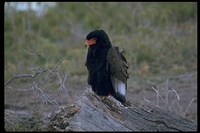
{"x":168,"y":98}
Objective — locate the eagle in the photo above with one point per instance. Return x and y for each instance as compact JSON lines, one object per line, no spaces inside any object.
{"x":107,"y":66}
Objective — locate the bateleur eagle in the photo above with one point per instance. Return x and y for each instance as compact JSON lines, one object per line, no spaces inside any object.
{"x":106,"y":65}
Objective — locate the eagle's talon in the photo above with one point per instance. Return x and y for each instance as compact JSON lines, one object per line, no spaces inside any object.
{"x":102,"y":98}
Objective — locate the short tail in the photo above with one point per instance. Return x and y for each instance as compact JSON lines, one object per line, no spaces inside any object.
{"x":120,"y":89}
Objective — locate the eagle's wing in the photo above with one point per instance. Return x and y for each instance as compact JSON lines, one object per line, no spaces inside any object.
{"x":118,"y":68}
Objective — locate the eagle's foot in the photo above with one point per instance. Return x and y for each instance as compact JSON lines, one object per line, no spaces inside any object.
{"x":102,"y":97}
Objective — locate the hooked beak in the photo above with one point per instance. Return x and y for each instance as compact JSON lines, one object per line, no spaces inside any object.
{"x":90,"y":42}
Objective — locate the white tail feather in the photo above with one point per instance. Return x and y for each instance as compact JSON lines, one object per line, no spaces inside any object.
{"x":120,"y":88}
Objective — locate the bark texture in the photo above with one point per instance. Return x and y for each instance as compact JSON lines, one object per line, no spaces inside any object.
{"x":90,"y":113}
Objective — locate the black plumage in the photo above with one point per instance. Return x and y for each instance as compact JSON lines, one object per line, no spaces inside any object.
{"x":106,"y":65}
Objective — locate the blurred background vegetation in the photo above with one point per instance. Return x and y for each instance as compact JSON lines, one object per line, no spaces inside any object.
{"x":159,"y":40}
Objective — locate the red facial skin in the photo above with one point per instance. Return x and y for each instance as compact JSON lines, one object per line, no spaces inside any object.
{"x":90,"y":42}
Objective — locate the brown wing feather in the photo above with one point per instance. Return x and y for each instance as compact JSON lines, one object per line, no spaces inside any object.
{"x":117,"y":64}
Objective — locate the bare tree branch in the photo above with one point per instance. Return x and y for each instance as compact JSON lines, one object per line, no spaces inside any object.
{"x":63,"y":80}
{"x":33,"y":54}
{"x":18,"y":76}
{"x":45,"y":97}
{"x":189,"y":104}
{"x":158,"y":95}
{"x":58,"y":63}
{"x":39,"y":71}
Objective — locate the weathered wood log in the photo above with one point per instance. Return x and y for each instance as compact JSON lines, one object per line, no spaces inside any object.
{"x":90,"y":113}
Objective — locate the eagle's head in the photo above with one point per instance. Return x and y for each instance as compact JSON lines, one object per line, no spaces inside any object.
{"x":97,"y":37}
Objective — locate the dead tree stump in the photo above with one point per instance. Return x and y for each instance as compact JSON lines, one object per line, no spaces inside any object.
{"x":89,"y":113}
